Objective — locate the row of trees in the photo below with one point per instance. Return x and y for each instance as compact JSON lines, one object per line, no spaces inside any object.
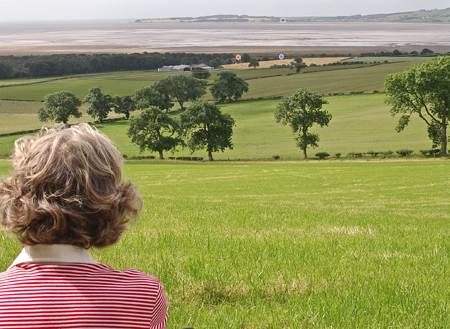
{"x":420,"y":89}
{"x":60,"y":106}
{"x":67,"y":64}
{"x":201,"y":126}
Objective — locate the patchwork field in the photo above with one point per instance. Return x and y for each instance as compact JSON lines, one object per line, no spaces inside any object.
{"x":291,"y":245}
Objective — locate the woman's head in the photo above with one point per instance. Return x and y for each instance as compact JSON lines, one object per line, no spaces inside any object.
{"x":67,"y":187}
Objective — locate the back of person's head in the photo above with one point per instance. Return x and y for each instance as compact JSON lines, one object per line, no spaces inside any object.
{"x":67,"y":187}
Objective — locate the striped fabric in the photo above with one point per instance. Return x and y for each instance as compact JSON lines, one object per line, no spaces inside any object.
{"x":57,"y":296}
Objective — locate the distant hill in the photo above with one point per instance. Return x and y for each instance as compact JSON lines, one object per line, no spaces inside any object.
{"x":420,"y":16}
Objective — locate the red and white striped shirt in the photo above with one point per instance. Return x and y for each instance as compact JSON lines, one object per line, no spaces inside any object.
{"x":56,"y":294}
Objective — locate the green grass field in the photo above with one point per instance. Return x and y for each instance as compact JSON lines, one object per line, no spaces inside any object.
{"x":360,"y":123}
{"x":291,"y":245}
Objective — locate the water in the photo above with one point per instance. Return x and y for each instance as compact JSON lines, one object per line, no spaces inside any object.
{"x":120,"y":34}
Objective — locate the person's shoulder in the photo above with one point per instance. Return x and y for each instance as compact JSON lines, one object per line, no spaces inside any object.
{"x":128,"y":275}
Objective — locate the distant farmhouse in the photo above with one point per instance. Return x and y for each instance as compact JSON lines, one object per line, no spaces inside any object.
{"x":183,"y":68}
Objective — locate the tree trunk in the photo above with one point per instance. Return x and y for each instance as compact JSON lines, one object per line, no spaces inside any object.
{"x":304,"y":153}
{"x":443,"y":136}
{"x":161,"y":155}
{"x":210,"y":156}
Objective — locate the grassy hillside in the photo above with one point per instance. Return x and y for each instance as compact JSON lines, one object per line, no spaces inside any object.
{"x":290,"y":245}
{"x":263,"y":82}
{"x":360,"y":122}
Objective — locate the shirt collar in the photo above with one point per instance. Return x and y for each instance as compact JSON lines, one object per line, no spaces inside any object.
{"x":53,"y":253}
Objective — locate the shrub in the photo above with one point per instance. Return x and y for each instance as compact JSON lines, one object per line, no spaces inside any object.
{"x":376,"y":91}
{"x":354,"y":155}
{"x":404,"y":153}
{"x":276,"y":157}
{"x":429,"y":152}
{"x":387,"y":154}
{"x":373,"y":153}
{"x":322,"y":155}
{"x":337,"y":155}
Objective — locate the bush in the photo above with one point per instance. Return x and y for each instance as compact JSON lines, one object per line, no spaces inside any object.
{"x":276,"y":157}
{"x":429,"y":152}
{"x":322,"y":155}
{"x":387,"y":154}
{"x":372,"y":153}
{"x":337,"y":155}
{"x":404,"y":153}
{"x":354,"y":155}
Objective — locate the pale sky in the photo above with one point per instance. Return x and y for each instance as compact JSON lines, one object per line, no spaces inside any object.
{"x":18,"y":10}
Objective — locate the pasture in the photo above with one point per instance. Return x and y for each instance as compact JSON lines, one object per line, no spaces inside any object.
{"x":291,"y":245}
{"x":360,"y":123}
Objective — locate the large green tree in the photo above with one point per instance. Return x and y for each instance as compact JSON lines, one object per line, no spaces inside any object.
{"x":301,"y":111}
{"x":228,"y":86}
{"x":154,"y":130}
{"x":150,"y":96}
{"x":423,"y":90}
{"x":59,"y":107}
{"x":182,"y":88}
{"x":124,"y":105}
{"x":207,"y":127}
{"x":101,"y":104}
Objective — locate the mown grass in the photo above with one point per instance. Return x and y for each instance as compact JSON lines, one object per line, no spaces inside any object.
{"x":291,"y":245}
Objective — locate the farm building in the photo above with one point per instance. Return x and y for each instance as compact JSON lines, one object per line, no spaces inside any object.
{"x":182,"y":68}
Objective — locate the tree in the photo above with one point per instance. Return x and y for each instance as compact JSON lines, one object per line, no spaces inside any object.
{"x":254,"y":63}
{"x":154,"y":130}
{"x":124,"y":105}
{"x":301,"y":111}
{"x":425,"y":90}
{"x":101,"y":104}
{"x":183,"y":88}
{"x":298,"y":64}
{"x":200,"y":73}
{"x":228,"y":85}
{"x":150,"y":96}
{"x":426,"y":51}
{"x":245,"y":58}
{"x":207,"y":127}
{"x":5,"y":71}
{"x":163,"y":87}
{"x":59,"y":107}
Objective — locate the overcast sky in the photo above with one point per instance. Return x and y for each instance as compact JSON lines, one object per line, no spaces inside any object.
{"x":14,"y":10}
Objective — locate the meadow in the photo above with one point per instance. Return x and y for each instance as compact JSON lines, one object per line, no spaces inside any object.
{"x":360,"y":123}
{"x":281,"y":244}
{"x":291,"y":245}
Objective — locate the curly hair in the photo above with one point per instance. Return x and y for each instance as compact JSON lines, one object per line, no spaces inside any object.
{"x":67,"y":187}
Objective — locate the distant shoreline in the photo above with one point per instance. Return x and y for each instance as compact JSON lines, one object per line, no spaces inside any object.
{"x":287,"y":51}
{"x":301,"y":38}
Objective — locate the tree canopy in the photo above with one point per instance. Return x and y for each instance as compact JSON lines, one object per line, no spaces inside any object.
{"x":207,"y":127}
{"x":154,"y":130}
{"x":150,"y":96}
{"x":423,"y":90}
{"x":200,"y":73}
{"x":124,"y":105}
{"x":228,"y":86}
{"x":301,"y":111}
{"x":59,"y":107}
{"x":101,"y":104}
{"x":254,"y":63}
{"x":182,"y":88}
